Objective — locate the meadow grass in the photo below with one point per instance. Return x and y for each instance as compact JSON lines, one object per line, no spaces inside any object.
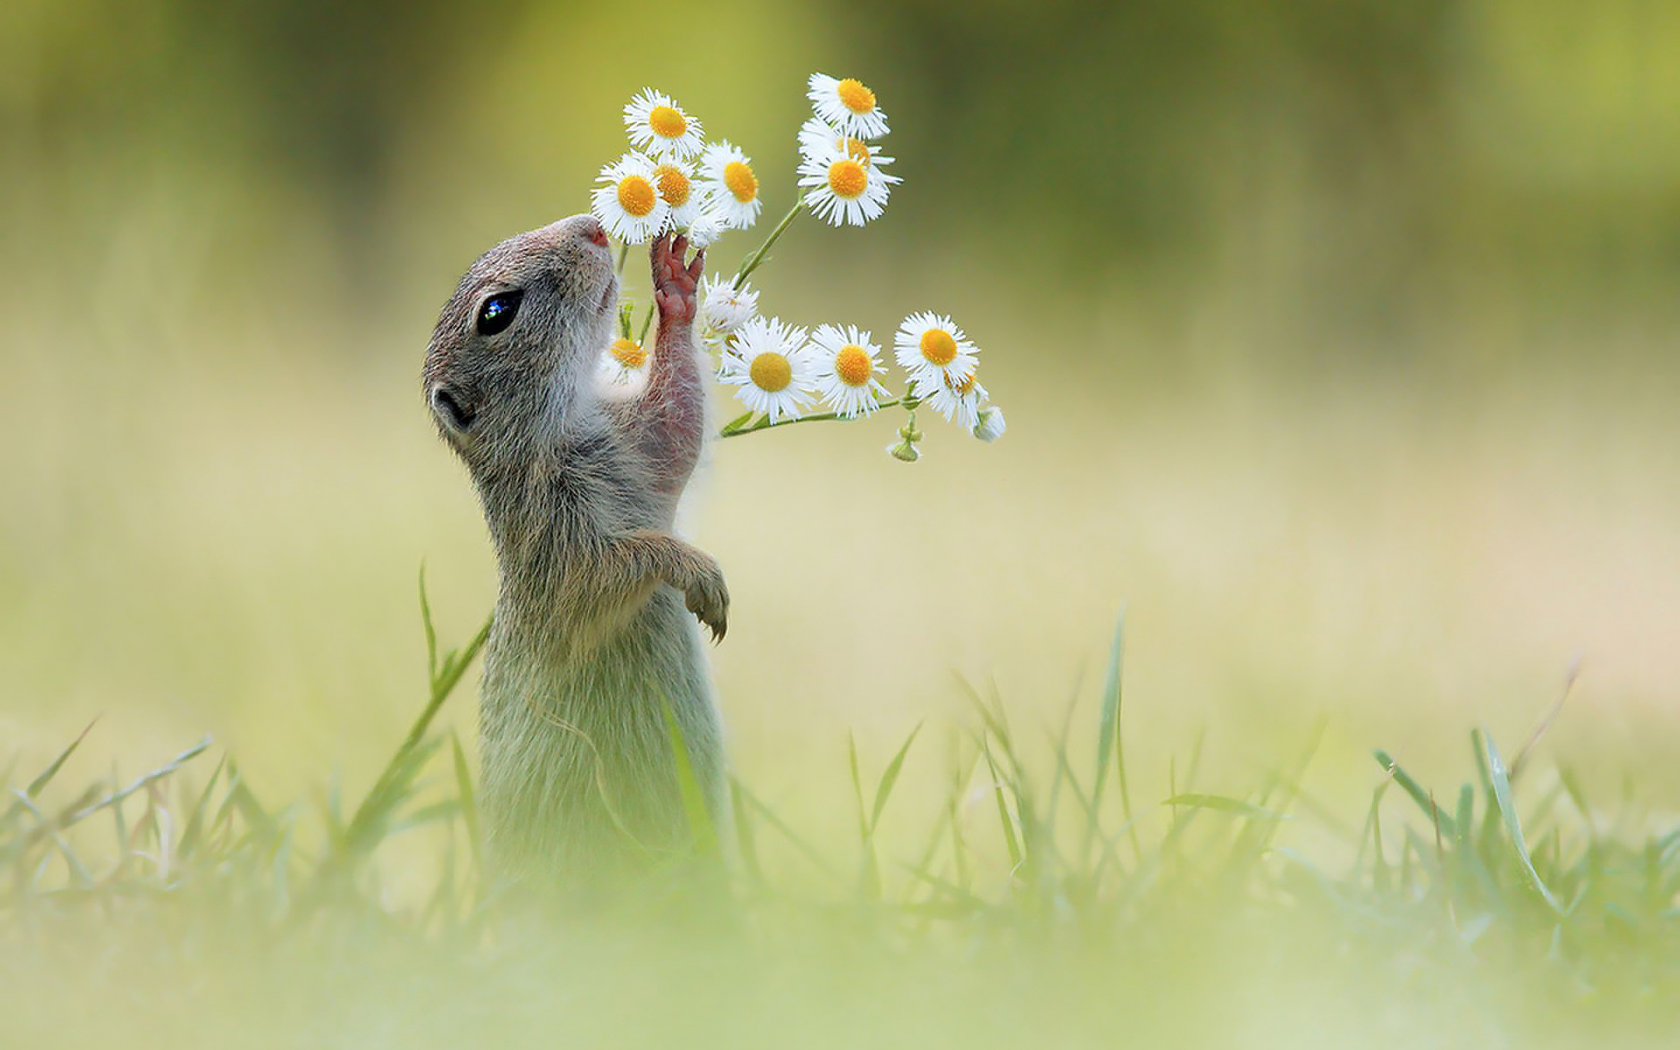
{"x":1050,"y":902}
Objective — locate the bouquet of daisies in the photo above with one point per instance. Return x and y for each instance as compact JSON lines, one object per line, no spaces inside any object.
{"x":673,"y":180}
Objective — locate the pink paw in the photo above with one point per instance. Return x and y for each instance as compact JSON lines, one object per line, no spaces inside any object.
{"x":673,"y":282}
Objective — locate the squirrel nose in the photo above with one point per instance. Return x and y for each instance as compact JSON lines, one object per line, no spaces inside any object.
{"x":597,"y":233}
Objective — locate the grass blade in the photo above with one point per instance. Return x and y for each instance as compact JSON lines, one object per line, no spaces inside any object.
{"x":1424,"y":799}
{"x":469,"y":801}
{"x":1224,"y":804}
{"x":693,"y":798}
{"x":35,"y":786}
{"x":889,"y":778}
{"x":1513,"y":826}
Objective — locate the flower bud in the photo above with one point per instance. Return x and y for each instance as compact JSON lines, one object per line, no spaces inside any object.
{"x":904,"y":451}
{"x":990,"y":426}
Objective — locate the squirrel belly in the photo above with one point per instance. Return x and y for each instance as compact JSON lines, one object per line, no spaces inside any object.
{"x":578,"y":772}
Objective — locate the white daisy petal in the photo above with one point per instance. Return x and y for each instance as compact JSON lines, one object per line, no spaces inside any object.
{"x":724,"y":308}
{"x":991,"y":425}
{"x":771,"y":363}
{"x":847,"y":362}
{"x":847,"y":105}
{"x":843,"y":187}
{"x":705,"y":228}
{"x":933,"y":351}
{"x":729,"y":185}
{"x":660,"y":127}
{"x":628,"y":202}
{"x":958,"y":400}
{"x":819,"y":139}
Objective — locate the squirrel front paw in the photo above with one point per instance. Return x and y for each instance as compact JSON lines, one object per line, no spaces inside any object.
{"x":673,"y":281}
{"x":708,"y":596}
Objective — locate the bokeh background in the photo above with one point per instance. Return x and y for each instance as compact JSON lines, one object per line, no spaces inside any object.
{"x":1337,"y":338}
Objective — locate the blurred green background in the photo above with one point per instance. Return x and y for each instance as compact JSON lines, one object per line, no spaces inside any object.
{"x":1338,"y":343}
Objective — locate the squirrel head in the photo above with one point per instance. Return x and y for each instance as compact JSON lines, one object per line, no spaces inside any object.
{"x":519,"y":340}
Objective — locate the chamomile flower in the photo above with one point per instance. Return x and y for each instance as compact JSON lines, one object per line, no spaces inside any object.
{"x":628,"y":201}
{"x":958,"y":400}
{"x":771,"y":363}
{"x":847,"y":105}
{"x":846,"y":366}
{"x":658,"y":126}
{"x":842,"y":188}
{"x":675,"y":181}
{"x":625,"y":361}
{"x":931,"y":349}
{"x":991,"y":425}
{"x":724,"y":308}
{"x":818,"y":139}
{"x":730,"y":185}
{"x":706,"y":227}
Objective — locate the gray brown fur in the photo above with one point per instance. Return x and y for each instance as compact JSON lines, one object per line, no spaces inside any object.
{"x":595,"y":626}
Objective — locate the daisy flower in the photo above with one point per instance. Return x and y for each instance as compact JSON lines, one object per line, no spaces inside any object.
{"x":729,"y":185}
{"x":706,"y":227}
{"x":846,"y":363}
{"x":658,"y":126}
{"x":675,"y":182}
{"x":817,"y":139}
{"x":991,"y":425}
{"x":843,"y":188}
{"x":958,"y":400}
{"x":625,"y":361}
{"x":771,"y":363}
{"x":931,"y":349}
{"x":628,"y":203}
{"x":847,"y":105}
{"x":724,"y":308}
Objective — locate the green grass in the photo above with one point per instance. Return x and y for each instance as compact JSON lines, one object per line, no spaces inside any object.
{"x":1048,"y":902}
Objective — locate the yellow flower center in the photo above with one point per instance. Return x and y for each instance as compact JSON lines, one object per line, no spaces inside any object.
{"x":673,"y":184}
{"x":938,"y":347}
{"x":963,"y":387}
{"x":852,"y":365}
{"x":741,"y":181}
{"x":636,"y":195}
{"x":856,"y":149}
{"x":628,"y":353}
{"x":771,"y":372}
{"x":855,"y":97}
{"x":847,"y":179}
{"x":668,"y":122}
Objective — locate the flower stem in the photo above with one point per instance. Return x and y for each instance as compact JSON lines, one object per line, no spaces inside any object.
{"x":623,"y":251}
{"x":732,"y":430}
{"x":757,"y":258}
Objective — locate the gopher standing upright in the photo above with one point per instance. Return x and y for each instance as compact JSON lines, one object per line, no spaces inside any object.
{"x":595,"y":633}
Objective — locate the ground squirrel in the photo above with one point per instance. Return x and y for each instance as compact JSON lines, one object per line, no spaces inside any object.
{"x":594,"y":631}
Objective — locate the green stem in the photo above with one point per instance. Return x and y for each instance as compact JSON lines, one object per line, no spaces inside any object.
{"x":646,"y":321}
{"x":764,"y":423}
{"x":757,"y":258}
{"x":623,"y":252}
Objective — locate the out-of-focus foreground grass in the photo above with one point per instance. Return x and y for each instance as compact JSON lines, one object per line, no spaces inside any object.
{"x":1337,"y":344}
{"x":1047,"y":900}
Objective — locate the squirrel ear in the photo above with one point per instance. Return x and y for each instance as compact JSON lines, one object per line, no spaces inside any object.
{"x":451,"y":409}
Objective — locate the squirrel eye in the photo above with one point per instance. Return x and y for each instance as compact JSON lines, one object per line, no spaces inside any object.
{"x":498,"y":312}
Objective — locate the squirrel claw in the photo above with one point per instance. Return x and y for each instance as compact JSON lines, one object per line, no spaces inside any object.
{"x":708,"y":600}
{"x":674,"y":279}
